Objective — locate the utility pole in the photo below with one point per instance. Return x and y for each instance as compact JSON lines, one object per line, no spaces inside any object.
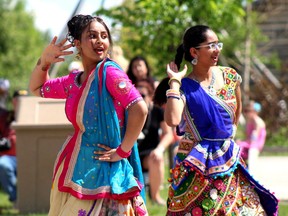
{"x":102,"y":4}
{"x":55,"y":67}
{"x":247,"y":58}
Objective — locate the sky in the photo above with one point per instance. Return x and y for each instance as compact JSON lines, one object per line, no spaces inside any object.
{"x":52,"y":15}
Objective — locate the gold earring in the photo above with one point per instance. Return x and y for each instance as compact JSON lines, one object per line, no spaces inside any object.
{"x":78,"y":55}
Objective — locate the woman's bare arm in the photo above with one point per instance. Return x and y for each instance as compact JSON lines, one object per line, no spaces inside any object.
{"x":136,"y":118}
{"x":239,"y":104}
{"x":174,"y":106}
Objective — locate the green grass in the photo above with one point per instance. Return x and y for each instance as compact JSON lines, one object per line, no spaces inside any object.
{"x":7,"y":207}
{"x":283,"y":208}
{"x":154,"y":209}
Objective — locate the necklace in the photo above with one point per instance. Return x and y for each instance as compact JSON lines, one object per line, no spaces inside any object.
{"x":209,"y":88}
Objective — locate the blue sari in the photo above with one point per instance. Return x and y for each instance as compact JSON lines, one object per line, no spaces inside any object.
{"x":97,"y":123}
{"x":209,"y":177}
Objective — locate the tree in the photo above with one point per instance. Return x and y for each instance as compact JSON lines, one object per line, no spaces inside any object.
{"x":21,"y":43}
{"x":155,"y":28}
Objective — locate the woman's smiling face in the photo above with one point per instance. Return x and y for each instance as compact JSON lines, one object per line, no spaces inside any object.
{"x":209,"y":56}
{"x":94,"y":42}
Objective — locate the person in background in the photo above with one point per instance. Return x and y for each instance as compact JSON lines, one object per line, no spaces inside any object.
{"x":98,"y":170}
{"x":118,"y":56}
{"x":4,"y":92}
{"x":157,"y":136}
{"x":159,"y":99}
{"x":75,"y":65}
{"x":209,"y":177}
{"x":139,"y":69}
{"x":255,"y":132}
{"x":8,"y":160}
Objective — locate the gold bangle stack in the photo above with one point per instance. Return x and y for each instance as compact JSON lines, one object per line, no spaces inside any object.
{"x":174,"y":79}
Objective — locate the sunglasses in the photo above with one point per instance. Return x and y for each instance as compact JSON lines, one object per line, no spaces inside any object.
{"x":212,"y":46}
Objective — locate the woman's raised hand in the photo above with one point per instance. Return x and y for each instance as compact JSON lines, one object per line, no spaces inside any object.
{"x":53,"y":52}
{"x":172,"y":71}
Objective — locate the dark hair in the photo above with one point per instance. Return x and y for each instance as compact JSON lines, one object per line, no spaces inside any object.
{"x":146,"y":83}
{"x":193,"y":36}
{"x":130,"y":68}
{"x":18,"y":93}
{"x":160,"y":93}
{"x":78,"y":24}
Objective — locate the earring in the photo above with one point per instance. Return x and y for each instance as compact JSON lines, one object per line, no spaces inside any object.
{"x":78,"y":55}
{"x":194,"y":61}
{"x":109,"y":54}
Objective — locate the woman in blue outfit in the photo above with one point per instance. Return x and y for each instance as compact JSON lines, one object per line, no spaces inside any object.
{"x":209,"y":177}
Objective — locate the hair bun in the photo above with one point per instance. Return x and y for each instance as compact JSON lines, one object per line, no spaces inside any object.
{"x":76,"y":25}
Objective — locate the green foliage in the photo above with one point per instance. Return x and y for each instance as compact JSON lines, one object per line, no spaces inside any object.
{"x":278,"y":138}
{"x":21,"y":43}
{"x":154,"y":29}
{"x":240,"y":135}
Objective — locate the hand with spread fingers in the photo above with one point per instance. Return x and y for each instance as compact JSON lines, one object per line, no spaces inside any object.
{"x":53,"y":52}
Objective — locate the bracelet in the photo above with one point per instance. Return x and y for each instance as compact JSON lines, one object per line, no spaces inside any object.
{"x":172,"y":91}
{"x":174,"y":79}
{"x":172,"y":94}
{"x":121,"y":153}
{"x":176,"y":97}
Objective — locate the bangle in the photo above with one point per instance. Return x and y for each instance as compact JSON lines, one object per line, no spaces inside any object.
{"x":176,"y":97}
{"x":121,"y":153}
{"x":174,"y":79}
{"x":172,"y":91}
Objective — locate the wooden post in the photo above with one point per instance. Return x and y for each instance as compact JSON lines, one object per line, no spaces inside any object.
{"x":247,"y":58}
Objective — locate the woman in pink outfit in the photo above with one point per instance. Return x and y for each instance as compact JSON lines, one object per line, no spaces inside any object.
{"x":97,"y":171}
{"x":255,"y":131}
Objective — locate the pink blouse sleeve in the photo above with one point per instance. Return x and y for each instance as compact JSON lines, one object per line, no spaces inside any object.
{"x":121,"y":87}
{"x":59,"y":87}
